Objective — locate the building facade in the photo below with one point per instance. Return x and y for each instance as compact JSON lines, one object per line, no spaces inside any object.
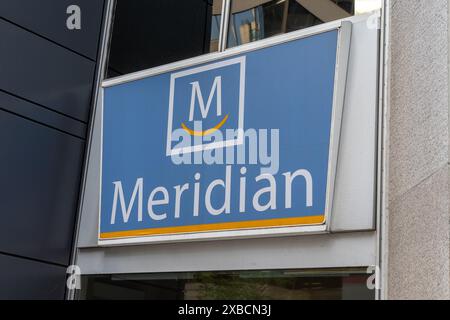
{"x":68,"y":65}
{"x":48,"y":79}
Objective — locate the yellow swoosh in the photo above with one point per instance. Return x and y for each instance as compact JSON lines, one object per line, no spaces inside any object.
{"x":206,"y":132}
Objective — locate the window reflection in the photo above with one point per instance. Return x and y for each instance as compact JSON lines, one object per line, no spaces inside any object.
{"x":149,"y":33}
{"x":341,"y":284}
{"x":252,"y":20}
{"x":215,"y":25}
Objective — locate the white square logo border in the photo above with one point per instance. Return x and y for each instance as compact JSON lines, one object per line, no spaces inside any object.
{"x":213,"y":145}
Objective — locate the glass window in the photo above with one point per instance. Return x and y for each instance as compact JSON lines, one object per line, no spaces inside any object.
{"x":149,"y":33}
{"x":252,"y":20}
{"x":340,"y":284}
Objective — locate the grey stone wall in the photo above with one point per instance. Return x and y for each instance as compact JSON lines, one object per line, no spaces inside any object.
{"x":418,"y":191}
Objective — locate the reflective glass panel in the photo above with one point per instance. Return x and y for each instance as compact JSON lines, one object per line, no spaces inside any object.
{"x":149,"y":33}
{"x":343,"y":284}
{"x":252,"y":20}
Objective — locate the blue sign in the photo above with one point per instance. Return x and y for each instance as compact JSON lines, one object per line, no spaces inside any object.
{"x":239,"y":143}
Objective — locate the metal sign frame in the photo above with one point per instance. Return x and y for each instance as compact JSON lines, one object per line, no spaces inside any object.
{"x":342,"y":55}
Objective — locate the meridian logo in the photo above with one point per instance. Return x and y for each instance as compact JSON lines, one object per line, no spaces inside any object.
{"x":197,"y":93}
{"x":209,"y":137}
{"x":187,"y":88}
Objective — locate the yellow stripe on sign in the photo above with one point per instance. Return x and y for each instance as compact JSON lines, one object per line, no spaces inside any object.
{"x":282,"y":222}
{"x":205,"y":132}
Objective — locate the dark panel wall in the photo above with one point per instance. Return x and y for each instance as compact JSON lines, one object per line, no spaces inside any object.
{"x":40,"y":196}
{"x":47,"y":75}
{"x":45,"y":17}
{"x":28,"y":279}
{"x":25,"y":64}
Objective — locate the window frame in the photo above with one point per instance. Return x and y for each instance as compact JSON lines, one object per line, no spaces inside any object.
{"x":224,"y":24}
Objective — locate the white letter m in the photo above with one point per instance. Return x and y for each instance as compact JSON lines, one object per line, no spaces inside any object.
{"x":118,"y":196}
{"x":197,"y":92}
